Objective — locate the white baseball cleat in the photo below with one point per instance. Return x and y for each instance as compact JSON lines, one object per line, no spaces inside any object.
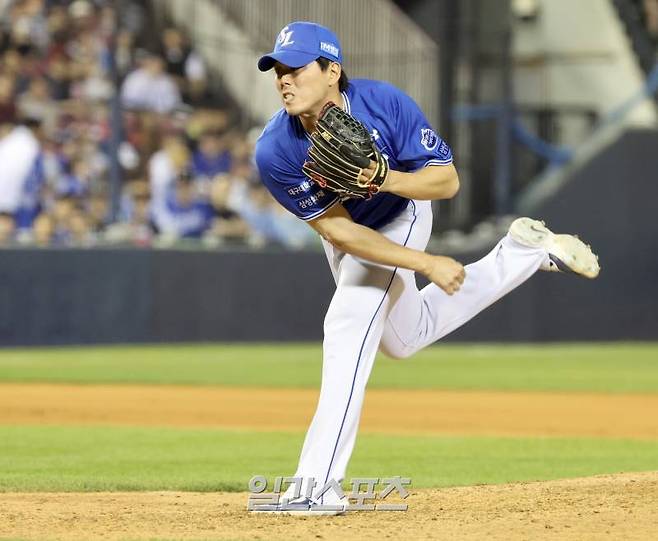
{"x":303,"y":507}
{"x":566,"y":253}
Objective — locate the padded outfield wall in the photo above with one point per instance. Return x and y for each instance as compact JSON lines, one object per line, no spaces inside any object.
{"x":127,"y":296}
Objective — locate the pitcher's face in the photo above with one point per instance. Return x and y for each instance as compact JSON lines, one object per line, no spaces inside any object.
{"x":303,"y":90}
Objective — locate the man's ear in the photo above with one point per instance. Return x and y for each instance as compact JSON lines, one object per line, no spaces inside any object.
{"x":336,"y":70}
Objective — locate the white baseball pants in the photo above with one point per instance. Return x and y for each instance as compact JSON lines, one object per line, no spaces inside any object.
{"x":378,"y":307}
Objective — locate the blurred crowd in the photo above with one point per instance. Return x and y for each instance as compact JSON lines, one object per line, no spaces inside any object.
{"x":649,"y":11}
{"x":185,"y":166}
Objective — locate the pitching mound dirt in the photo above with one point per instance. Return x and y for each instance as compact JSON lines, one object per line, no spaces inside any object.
{"x":604,"y":507}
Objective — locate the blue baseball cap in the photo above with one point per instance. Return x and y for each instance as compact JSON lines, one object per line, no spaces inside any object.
{"x":299,"y":43}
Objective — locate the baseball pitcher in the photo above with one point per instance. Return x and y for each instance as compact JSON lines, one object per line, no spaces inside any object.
{"x":359,"y":162}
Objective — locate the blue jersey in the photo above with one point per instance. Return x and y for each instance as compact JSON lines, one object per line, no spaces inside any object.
{"x":209,"y":166}
{"x":186,"y":221}
{"x":398,"y":127}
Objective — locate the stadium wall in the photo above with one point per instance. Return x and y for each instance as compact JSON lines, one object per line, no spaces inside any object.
{"x":50,"y":297}
{"x":128,"y":296}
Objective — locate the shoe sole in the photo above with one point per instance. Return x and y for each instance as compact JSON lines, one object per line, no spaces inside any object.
{"x":311,"y":513}
{"x":577,"y":257}
{"x":301,"y":509}
{"x":300,"y":512}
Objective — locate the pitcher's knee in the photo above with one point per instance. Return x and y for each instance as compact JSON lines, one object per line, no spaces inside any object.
{"x":398,"y":352}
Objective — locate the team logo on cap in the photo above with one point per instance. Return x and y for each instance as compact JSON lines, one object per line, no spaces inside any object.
{"x":285,"y":37}
{"x":428,"y":138}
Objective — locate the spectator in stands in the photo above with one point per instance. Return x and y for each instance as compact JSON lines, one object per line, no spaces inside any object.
{"x":135,"y":226}
{"x":65,"y":223}
{"x":81,"y":13}
{"x":227,"y":225}
{"x":93,"y":84}
{"x":59,"y":31}
{"x":149,"y":88}
{"x":165,"y":166}
{"x":140,"y":219}
{"x":25,"y":31}
{"x":80,"y":233}
{"x":124,"y":53}
{"x":89,"y":47}
{"x":7,"y":106}
{"x":54,"y":59}
{"x":263,"y":215}
{"x":61,"y":214}
{"x":58,"y":78}
{"x":207,"y":120}
{"x":43,"y":231}
{"x":20,"y":150}
{"x":31,"y":200}
{"x":141,"y":230}
{"x":257,"y":212}
{"x":212,"y":157}
{"x":34,"y":14}
{"x":187,"y":215}
{"x":651,"y":18}
{"x":37,"y":103}
{"x":290,"y":231}
{"x":77,"y":182}
{"x":131,"y":14}
{"x":97,"y":212}
{"x":18,"y":69}
{"x":242,"y":151}
{"x":265,"y":218}
{"x":184,"y":64}
{"x":7,"y":229}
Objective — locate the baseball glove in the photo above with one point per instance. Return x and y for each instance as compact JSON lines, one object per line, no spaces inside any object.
{"x":341,"y":149}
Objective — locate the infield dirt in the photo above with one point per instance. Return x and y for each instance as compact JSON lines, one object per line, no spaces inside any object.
{"x":620,"y":506}
{"x":385,"y":411}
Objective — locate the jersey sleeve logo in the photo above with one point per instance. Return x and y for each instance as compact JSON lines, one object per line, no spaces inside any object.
{"x":301,"y":188}
{"x":444,"y":151}
{"x":428,"y":138}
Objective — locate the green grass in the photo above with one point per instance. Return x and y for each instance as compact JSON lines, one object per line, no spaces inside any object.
{"x":613,"y":367}
{"x":122,"y":458}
